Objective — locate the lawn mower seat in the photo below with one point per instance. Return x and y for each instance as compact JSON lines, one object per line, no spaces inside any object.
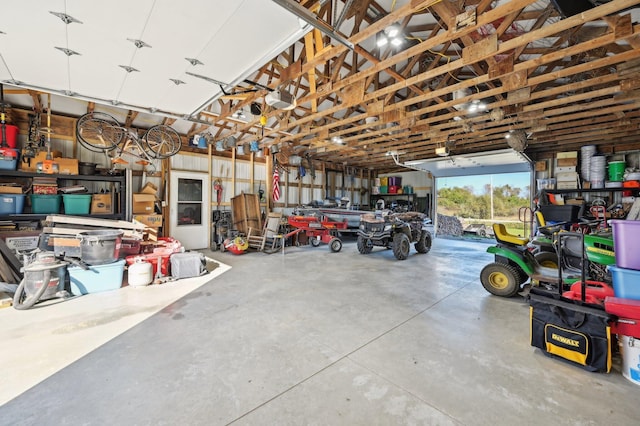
{"x":547,"y":229}
{"x":503,"y":236}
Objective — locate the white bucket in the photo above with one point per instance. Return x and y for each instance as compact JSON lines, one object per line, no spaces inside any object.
{"x":630,"y":350}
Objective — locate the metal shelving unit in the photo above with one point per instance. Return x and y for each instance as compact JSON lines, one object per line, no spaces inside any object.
{"x":120,"y":180}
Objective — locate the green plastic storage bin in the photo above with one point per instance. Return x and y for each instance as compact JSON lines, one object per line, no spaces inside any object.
{"x":45,"y":204}
{"x":76,"y":203}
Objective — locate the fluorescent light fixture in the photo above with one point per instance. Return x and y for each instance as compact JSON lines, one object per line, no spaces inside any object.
{"x":382,"y":41}
{"x":414,"y":162}
{"x":396,"y":41}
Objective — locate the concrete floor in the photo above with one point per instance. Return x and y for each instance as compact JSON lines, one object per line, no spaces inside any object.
{"x":319,"y":338}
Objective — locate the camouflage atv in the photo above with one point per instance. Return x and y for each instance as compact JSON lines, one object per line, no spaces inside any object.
{"x":395,"y":231}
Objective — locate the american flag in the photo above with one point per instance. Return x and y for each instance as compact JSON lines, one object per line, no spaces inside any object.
{"x":276,"y":184}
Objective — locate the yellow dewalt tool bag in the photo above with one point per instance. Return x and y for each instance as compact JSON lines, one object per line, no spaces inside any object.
{"x":570,"y":330}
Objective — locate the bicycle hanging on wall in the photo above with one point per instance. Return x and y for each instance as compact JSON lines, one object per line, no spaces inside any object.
{"x":100,"y":132}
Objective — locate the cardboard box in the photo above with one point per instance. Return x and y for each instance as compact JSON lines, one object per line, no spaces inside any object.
{"x":143,"y":203}
{"x":40,"y":157}
{"x":566,"y":169}
{"x":564,"y":162}
{"x":150,"y":220}
{"x":67,"y":166}
{"x":541,"y":166}
{"x":149,"y":188}
{"x":567,"y":177}
{"x":102,"y":203}
{"x":8,"y":189}
{"x":567,"y":154}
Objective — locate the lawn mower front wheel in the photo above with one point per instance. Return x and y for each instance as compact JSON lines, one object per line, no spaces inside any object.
{"x":500,"y":279}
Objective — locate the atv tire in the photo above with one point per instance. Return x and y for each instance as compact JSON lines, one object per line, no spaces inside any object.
{"x":364,"y":245}
{"x":401,"y":246}
{"x":500,"y":279}
{"x":423,"y":245}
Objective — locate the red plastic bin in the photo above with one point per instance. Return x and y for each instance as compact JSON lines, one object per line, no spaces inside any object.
{"x":129,"y":246}
{"x":628,"y":313}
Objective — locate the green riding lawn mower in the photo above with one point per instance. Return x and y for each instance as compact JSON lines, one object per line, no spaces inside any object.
{"x":517,"y":261}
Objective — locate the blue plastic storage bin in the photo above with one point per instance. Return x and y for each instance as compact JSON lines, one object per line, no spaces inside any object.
{"x":626,"y":282}
{"x":97,"y":278}
{"x":11,"y":203}
{"x":9,"y":159}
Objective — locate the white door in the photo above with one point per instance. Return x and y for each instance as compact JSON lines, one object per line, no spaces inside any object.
{"x":189,"y":209}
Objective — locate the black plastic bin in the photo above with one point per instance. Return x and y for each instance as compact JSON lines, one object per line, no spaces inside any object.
{"x":564,"y":213}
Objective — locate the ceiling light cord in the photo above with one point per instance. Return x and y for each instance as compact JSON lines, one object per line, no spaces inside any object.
{"x":7,"y":67}
{"x":135,"y":50}
{"x":66,"y":39}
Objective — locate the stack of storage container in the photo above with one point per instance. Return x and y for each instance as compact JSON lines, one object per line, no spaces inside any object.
{"x":99,"y":249}
{"x":9,"y":155}
{"x":11,"y":198}
{"x":626,"y":244}
{"x":384,"y":185}
{"x":626,"y":287}
{"x":395,"y":184}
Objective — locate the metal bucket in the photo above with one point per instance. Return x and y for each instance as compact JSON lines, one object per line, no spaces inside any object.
{"x":100,"y":247}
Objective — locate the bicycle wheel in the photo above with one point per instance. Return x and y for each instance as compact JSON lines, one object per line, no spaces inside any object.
{"x":162,"y":141}
{"x":99,"y":132}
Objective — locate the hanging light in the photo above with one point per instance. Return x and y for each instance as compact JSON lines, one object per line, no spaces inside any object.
{"x":391,"y":34}
{"x":392,"y":31}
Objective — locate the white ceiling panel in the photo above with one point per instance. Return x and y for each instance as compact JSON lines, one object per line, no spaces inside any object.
{"x":231,"y":39}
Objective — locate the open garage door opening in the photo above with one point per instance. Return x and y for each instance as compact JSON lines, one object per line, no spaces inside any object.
{"x":472,"y":191}
{"x":469,"y":205}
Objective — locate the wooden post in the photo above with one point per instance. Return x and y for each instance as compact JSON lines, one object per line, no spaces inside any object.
{"x":300,"y":190}
{"x":209,"y":187}
{"x":269,"y":179}
{"x":324,"y":180}
{"x":252,"y":175}
{"x":233,"y":172}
